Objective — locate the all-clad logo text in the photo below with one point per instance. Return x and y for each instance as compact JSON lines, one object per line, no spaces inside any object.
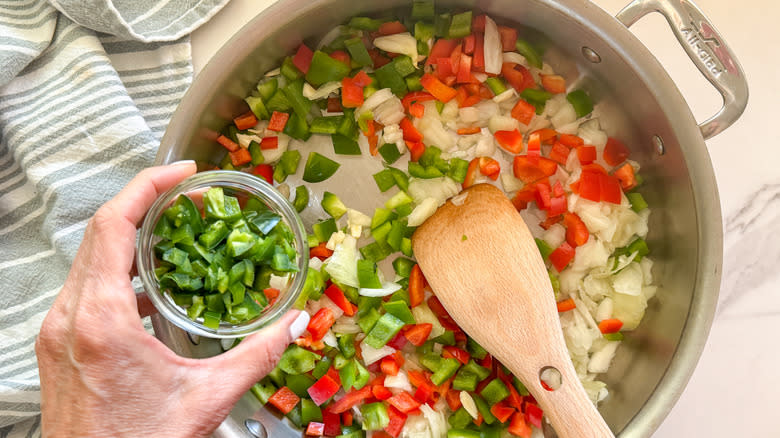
{"x":701,"y":44}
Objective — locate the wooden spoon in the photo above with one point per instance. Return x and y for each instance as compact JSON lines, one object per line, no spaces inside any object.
{"x":483,"y":264}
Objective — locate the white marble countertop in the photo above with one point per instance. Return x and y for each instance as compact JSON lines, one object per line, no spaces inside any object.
{"x":735,"y":389}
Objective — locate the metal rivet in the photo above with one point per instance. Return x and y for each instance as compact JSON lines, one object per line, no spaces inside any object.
{"x":659,"y":145}
{"x":255,"y":428}
{"x":591,"y":55}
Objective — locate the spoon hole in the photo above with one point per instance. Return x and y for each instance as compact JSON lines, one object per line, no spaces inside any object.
{"x":550,"y":378}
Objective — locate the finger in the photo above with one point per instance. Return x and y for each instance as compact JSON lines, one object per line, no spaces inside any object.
{"x":255,"y":356}
{"x":134,"y":200}
{"x":114,"y":225}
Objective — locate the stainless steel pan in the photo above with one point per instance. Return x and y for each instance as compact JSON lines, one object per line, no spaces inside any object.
{"x":640,"y":104}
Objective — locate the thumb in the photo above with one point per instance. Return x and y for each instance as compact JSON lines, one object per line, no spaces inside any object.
{"x":236,"y":370}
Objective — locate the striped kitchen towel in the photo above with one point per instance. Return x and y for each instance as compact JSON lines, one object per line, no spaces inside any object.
{"x":86,"y":90}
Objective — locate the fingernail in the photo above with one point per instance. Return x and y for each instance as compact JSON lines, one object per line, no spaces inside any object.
{"x":299,"y":325}
{"x":182,"y":162}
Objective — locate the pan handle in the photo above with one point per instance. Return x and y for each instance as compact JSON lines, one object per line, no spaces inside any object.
{"x":708,"y":51}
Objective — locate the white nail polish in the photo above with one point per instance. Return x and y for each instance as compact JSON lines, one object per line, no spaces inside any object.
{"x":299,"y":325}
{"x":182,"y":162}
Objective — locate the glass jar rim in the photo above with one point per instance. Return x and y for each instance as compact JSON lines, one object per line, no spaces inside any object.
{"x":240,"y":182}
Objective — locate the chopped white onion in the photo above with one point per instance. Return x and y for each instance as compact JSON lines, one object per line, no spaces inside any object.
{"x":389,"y":112}
{"x":326,"y":302}
{"x":468,"y":404}
{"x":515,"y":58}
{"x":330,"y":339}
{"x":342,"y":265}
{"x":423,"y":211}
{"x":371,"y":354}
{"x":600,"y":360}
{"x":386,"y":289}
{"x":399,"y":381}
{"x":275,"y":72}
{"x":402,"y":43}
{"x":505,"y":95}
{"x":346,"y":324}
{"x":279,"y":282}
{"x":494,"y":54}
{"x":440,"y":189}
{"x":374,"y":100}
{"x":459,"y":199}
{"x":629,"y":280}
{"x":315,"y":263}
{"x":324,"y":91}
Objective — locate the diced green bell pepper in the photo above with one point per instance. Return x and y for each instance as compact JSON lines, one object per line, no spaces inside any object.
{"x":389,"y":153}
{"x":383,"y":331}
{"x":460,"y":419}
{"x":324,"y":69}
{"x":447,"y":368}
{"x":637,"y":201}
{"x":581,"y":102}
{"x":294,"y":93}
{"x":323,"y":230}
{"x":544,"y":248}
{"x":367,"y":274}
{"x":400,"y":310}
{"x":494,"y":392}
{"x":344,"y":145}
{"x":319,"y":168}
{"x":529,"y":52}
{"x":357,"y":50}
{"x":301,"y":198}
{"x":310,"y":411}
{"x":296,"y":360}
{"x":333,"y":205}
{"x":375,"y":416}
{"x":299,"y":383}
{"x":263,"y":390}
{"x":460,"y":26}
{"x":388,"y":77}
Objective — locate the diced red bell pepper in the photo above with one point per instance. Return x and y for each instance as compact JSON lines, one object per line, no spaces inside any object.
{"x":398,"y":341}
{"x":391,"y":28}
{"x":451,"y":351}
{"x":416,"y":97}
{"x":416,"y":149}
{"x":453,"y":399}
{"x":590,"y":186}
{"x":510,"y":141}
{"x":543,"y":192}
{"x":489,"y":167}
{"x":586,"y":154}
{"x":551,"y":219}
{"x":502,"y":411}
{"x":278,"y":121}
{"x":469,"y":131}
{"x":615,"y":152}
{"x":227,"y":143}
{"x":570,"y":140}
{"x":341,"y":56}
{"x":554,"y":84}
{"x":284,"y":400}
{"x":562,"y":256}
{"x":455,"y":58}
{"x":558,"y":206}
{"x":518,"y":76}
{"x":380,"y":392}
{"x":469,"y":42}
{"x":351,"y":93}
{"x":437,"y":88}
{"x":529,"y":172}
{"x":332,"y":423}
{"x":557,"y":189}
{"x":271,"y":293}
{"x":302,"y":58}
{"x":508,"y":38}
{"x":533,"y":415}
{"x":377,"y":58}
{"x":416,"y":286}
{"x":320,"y":251}
{"x":609,"y":187}
{"x":266,"y":171}
{"x":334,"y":105}
{"x":444,"y":68}
{"x":245,"y":121}
{"x":362,"y":79}
{"x":464,"y":70}
{"x":417,"y":110}
{"x":397,"y":421}
{"x":478,"y":59}
{"x":523,"y":111}
{"x":442,"y":48}
{"x":389,"y":366}
{"x":523,"y":197}
{"x":337,"y":296}
{"x":240,"y":157}
{"x":566,"y":305}
{"x":347,"y":418}
{"x":518,"y":427}
{"x":559,"y":153}
{"x":611,"y":325}
{"x":471,"y":173}
{"x":269,"y":143}
{"x":315,"y":428}
{"x":576,"y":232}
{"x":323,"y":389}
{"x":625,"y":174}
{"x":404,"y":402}
{"x":409,"y":131}
{"x":350,"y":399}
{"x":320,"y":323}
{"x":417,"y":334}
{"x":478,"y":23}
{"x":424,"y":393}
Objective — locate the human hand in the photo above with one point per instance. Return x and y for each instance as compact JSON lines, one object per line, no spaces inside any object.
{"x":102,"y":374}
